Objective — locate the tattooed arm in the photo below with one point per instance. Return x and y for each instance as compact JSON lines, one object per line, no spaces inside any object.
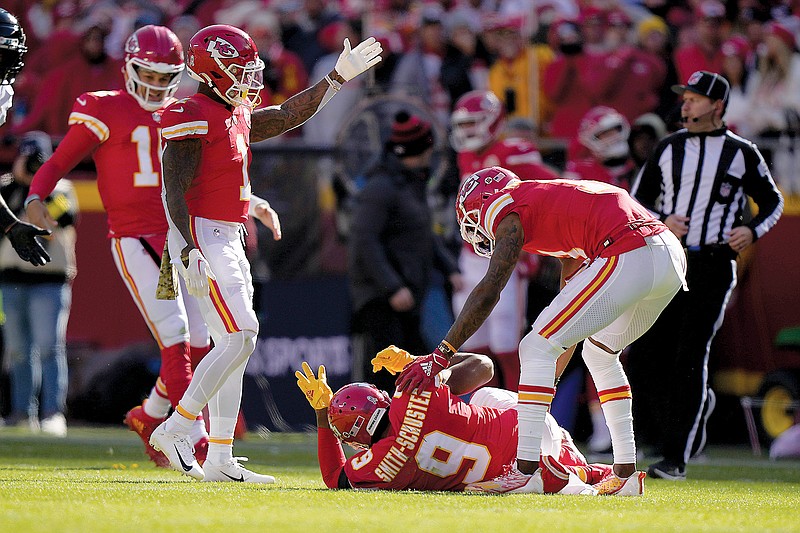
{"x":274,"y":120}
{"x":509,"y":239}
{"x":180,"y":161}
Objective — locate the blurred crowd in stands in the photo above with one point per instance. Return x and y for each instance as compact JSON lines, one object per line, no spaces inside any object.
{"x":549,"y":61}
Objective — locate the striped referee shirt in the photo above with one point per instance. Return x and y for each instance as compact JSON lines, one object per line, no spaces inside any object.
{"x":708,"y":177}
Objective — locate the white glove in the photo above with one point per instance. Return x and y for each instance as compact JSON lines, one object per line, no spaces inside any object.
{"x":353,"y":62}
{"x":197,"y":274}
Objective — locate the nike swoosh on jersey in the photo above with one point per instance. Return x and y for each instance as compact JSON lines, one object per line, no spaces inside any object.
{"x":177,"y":110}
{"x":240,"y":479}
{"x":187,"y":468}
{"x":81,"y":101}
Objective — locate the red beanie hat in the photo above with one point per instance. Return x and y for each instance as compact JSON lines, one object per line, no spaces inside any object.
{"x":410,"y":135}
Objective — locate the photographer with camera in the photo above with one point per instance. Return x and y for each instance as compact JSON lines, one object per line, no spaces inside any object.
{"x":37,"y":299}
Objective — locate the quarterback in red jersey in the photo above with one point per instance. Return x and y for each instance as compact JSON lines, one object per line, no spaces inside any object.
{"x":477,"y":122}
{"x":429,"y":439}
{"x":207,"y":194}
{"x":121,"y":129}
{"x":620,"y":268}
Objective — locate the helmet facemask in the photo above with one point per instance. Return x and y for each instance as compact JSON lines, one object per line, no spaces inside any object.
{"x":473,"y":233}
{"x":133,"y":83}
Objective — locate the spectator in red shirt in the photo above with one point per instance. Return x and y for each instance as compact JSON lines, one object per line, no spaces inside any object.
{"x":704,"y":53}
{"x":640,"y":74}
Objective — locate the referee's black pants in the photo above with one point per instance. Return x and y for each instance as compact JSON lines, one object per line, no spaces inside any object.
{"x":669,"y":363}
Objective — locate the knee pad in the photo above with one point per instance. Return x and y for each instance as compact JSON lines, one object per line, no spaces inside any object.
{"x":238,"y":345}
{"x":535,"y":347}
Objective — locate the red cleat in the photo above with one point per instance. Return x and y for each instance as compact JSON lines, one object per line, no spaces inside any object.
{"x":201,"y":450}
{"x":143,"y":425}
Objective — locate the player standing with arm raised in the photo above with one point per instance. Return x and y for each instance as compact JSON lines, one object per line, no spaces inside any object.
{"x":207,"y":194}
{"x":121,"y":129}
{"x":621,"y":265}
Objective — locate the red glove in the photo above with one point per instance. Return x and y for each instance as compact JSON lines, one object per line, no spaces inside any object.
{"x":420,"y":373}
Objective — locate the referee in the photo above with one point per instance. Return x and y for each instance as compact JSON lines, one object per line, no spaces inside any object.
{"x":697,"y":181}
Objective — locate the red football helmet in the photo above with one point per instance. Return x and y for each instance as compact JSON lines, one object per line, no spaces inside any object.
{"x":473,"y":192}
{"x":154,"y":48}
{"x":477,"y":120}
{"x":605,"y":132}
{"x":226,"y":59}
{"x":356,"y":411}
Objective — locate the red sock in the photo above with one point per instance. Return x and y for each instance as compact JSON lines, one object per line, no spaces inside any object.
{"x":197,"y":353}
{"x":176,"y":370}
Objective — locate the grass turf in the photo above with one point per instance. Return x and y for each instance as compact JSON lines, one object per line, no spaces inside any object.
{"x":98,"y":480}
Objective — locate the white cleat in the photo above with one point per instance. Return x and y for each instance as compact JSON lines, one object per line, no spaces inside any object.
{"x":615,"y":486}
{"x":233,"y":471}
{"x":178,"y":449}
{"x":512,"y":481}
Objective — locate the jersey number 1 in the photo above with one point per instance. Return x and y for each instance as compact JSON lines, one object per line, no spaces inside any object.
{"x":146,"y":176}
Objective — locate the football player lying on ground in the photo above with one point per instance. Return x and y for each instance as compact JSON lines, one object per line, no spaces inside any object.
{"x":430,"y":439}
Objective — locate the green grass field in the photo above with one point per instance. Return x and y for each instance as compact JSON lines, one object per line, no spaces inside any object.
{"x":98,"y":480}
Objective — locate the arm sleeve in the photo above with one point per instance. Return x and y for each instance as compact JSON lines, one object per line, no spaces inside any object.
{"x":759,"y":185}
{"x":77,"y":144}
{"x":331,"y":459}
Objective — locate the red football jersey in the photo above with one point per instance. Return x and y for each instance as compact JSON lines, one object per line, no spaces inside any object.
{"x":436,"y":442}
{"x":517,"y":155}
{"x":589,"y":168}
{"x":221,"y":186}
{"x":126,"y":144}
{"x":582,"y":219}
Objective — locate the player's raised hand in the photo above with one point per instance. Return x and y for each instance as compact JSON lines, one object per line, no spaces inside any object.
{"x":393,"y":359}
{"x":421,"y":372}
{"x":197,"y":273}
{"x":38,"y":215}
{"x":315,"y":388}
{"x":353,"y":62}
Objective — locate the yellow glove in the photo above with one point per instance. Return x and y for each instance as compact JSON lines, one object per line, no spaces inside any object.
{"x":393,"y":359}
{"x":316,"y":389}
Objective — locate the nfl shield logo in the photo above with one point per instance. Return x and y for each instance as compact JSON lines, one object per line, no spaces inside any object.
{"x":725,"y":190}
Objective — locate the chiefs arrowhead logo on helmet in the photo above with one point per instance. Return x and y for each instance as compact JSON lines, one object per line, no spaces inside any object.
{"x":219,"y":48}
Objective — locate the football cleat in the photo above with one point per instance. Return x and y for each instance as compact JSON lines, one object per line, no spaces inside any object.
{"x":178,"y":449}
{"x":668,"y":471}
{"x":233,"y":471}
{"x":511,"y":481}
{"x":143,"y":425}
{"x":616,"y":486}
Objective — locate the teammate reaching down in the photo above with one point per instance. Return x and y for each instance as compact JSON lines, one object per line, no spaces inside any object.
{"x":207,"y":194}
{"x":622,"y":267}
{"x":429,"y":439}
{"x":121,"y":131}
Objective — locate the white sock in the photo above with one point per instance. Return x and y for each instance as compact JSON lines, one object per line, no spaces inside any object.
{"x":537,"y":375}
{"x":219,"y":454}
{"x":198,"y":431}
{"x":177,"y":423}
{"x":157,"y":404}
{"x":615,"y":398}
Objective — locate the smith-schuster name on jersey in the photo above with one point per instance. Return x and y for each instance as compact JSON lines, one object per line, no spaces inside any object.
{"x":221,"y":186}
{"x":436,"y":442}
{"x":127,"y":160}
{"x":572,"y":218}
